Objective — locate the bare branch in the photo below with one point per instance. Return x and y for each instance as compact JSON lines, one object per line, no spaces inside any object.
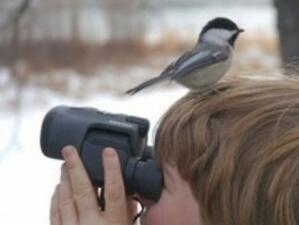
{"x":16,"y":17}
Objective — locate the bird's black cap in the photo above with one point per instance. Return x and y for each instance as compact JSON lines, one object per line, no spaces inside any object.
{"x":220,"y":23}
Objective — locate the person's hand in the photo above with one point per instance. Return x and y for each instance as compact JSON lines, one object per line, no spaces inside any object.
{"x":74,"y":201}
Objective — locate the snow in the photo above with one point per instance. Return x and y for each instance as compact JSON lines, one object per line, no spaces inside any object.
{"x":27,"y":177}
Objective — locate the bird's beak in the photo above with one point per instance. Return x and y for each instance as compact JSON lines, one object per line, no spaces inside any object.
{"x":241,"y":30}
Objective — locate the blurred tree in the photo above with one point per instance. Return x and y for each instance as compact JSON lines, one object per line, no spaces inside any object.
{"x":17,"y":69}
{"x":14,"y":23}
{"x":125,"y":19}
{"x":15,"y":16}
{"x":75,"y":19}
{"x":288,"y":24}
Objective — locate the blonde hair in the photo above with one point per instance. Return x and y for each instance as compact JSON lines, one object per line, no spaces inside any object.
{"x":238,"y":147}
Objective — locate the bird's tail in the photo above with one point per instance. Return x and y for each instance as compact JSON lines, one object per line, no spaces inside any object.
{"x":144,"y":85}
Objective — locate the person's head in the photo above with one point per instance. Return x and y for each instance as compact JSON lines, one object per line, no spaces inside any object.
{"x":233,"y":154}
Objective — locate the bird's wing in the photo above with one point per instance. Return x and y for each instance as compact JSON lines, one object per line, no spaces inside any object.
{"x":169,"y":70}
{"x":199,"y":59}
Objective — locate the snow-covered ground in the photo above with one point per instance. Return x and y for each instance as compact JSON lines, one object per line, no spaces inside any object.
{"x":27,"y":177}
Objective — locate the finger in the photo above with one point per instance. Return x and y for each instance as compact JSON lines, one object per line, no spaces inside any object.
{"x":54,"y":211}
{"x":65,"y":200}
{"x":116,"y":209}
{"x":83,"y":192}
{"x":132,"y":207}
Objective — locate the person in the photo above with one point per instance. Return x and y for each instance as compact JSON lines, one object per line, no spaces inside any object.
{"x":229,"y":157}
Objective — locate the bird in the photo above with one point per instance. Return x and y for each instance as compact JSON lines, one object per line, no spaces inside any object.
{"x":206,"y":63}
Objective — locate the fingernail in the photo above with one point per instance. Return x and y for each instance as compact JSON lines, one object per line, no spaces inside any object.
{"x":68,"y":151}
{"x":109,"y":152}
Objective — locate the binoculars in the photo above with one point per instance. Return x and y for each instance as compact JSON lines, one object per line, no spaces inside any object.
{"x":90,"y":131}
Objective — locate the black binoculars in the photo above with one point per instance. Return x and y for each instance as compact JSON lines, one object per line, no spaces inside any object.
{"x":90,"y":131}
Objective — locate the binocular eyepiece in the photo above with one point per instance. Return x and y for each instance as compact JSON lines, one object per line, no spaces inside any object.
{"x":90,"y":131}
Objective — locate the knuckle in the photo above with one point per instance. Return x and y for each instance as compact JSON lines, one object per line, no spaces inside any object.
{"x":65,"y":203}
{"x":115,"y":192}
{"x":82,"y":192}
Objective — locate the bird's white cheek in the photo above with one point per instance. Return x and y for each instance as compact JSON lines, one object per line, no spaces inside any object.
{"x":219,"y":36}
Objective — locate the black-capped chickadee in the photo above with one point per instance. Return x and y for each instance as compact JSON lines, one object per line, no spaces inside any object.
{"x":206,"y":63}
